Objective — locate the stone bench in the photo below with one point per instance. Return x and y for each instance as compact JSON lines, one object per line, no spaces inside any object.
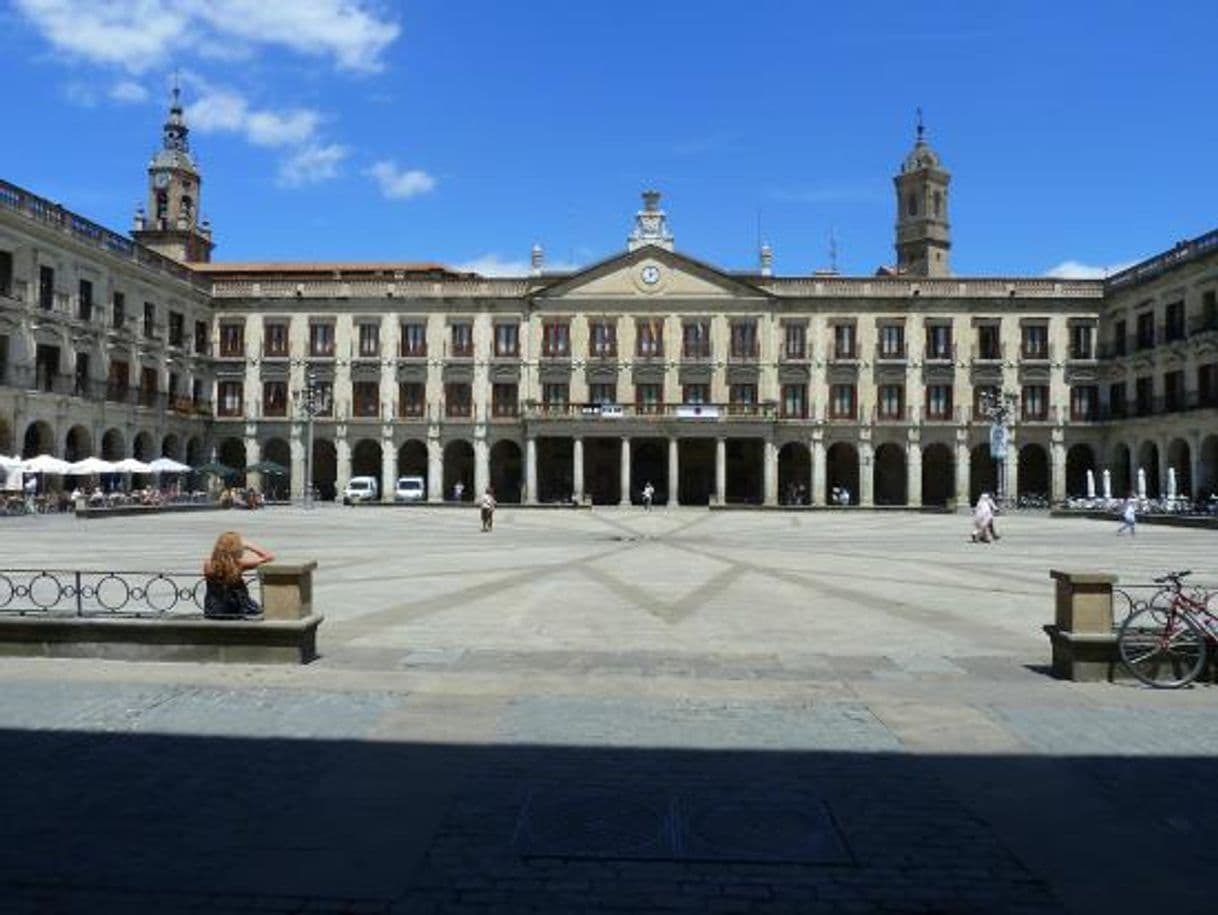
{"x":287,"y":634}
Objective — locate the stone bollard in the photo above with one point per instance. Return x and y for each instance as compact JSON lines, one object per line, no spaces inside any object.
{"x":287,"y":590}
{"x":1082,"y":635}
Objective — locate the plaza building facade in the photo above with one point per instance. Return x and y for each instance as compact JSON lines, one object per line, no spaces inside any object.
{"x":650,"y":366}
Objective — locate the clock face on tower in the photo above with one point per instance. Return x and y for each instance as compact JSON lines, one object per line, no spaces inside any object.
{"x":160,"y":179}
{"x":650,"y":274}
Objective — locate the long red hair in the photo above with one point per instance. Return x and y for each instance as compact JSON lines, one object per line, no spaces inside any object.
{"x":225,"y":562}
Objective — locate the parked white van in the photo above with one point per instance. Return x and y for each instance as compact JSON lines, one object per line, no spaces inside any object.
{"x":361,"y":489}
{"x":410,"y":489}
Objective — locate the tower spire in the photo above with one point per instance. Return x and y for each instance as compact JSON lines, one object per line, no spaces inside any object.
{"x":921,"y":130}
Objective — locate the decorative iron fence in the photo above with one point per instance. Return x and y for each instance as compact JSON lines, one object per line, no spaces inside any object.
{"x":102,"y":593}
{"x":1127,"y":599}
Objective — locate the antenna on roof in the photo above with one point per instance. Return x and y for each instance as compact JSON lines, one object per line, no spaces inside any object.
{"x":921,"y":126}
{"x":832,"y":249}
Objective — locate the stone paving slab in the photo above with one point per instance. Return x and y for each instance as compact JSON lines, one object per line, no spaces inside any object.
{"x":749,"y":675}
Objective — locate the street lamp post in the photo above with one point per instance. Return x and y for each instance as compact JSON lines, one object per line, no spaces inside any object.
{"x":306,"y":400}
{"x":1000,"y":410}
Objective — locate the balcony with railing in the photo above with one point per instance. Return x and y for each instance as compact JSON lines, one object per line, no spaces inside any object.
{"x":890,"y":353}
{"x":987,"y":355}
{"x":890,"y":414}
{"x":1035,"y":353}
{"x":1203,"y":324}
{"x":696,"y":353}
{"x":940,"y":355}
{"x":704,"y":412}
{"x":844,"y":355}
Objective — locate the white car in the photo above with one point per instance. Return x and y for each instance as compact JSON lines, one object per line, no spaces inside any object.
{"x":410,"y":489}
{"x":361,"y":489}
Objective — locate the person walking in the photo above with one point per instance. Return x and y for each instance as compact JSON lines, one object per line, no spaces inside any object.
{"x":649,"y":493}
{"x":488,"y":510}
{"x":1129,"y":517}
{"x":983,"y":520}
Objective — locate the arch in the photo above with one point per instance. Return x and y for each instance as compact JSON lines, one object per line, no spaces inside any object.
{"x":1079,"y":459}
{"x":1148,"y":461}
{"x":232,"y":453}
{"x":194,"y":451}
{"x":459,"y":468}
{"x":982,"y":473}
{"x":695,"y":471}
{"x":891,"y":481}
{"x":794,"y":474}
{"x":277,"y":486}
{"x":555,"y":469}
{"x":649,"y":464}
{"x":142,"y":448}
{"x":325,"y":469}
{"x":1207,"y":483}
{"x":1179,"y":460}
{"x":842,"y":471}
{"x":603,"y":470}
{"x":77,"y":444}
{"x":745,"y":470}
{"x":938,"y":474}
{"x":1120,"y":469}
{"x":39,"y":438}
{"x":366,"y":459}
{"x":412,"y":461}
{"x":507,"y":471}
{"x":1033,"y":471}
{"x":6,"y":437}
{"x":114,"y":445}
{"x":171,"y":446}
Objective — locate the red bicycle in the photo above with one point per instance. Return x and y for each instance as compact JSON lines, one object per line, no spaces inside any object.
{"x":1166,"y":643}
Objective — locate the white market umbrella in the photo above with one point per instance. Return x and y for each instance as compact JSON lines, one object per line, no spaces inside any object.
{"x":1141,"y":482}
{"x":45,"y":463}
{"x":168,"y":465}
{"x":1090,"y":483}
{"x":131,"y":465}
{"x":9,"y":463}
{"x":90,"y":466}
{"x":1107,"y":483}
{"x":1171,"y":482}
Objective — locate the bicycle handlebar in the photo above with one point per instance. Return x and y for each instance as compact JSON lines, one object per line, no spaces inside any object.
{"x":1172,"y":577}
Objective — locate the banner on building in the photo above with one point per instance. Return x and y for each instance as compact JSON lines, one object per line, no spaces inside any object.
{"x":998,"y":442}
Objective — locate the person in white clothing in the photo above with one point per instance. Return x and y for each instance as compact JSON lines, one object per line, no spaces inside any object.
{"x":1129,"y":517}
{"x":983,"y":520}
{"x":649,"y":493}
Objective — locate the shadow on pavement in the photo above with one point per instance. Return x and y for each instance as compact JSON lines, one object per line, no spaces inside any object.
{"x":105,"y":822}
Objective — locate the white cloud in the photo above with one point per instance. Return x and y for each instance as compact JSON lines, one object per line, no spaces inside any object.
{"x":138,"y":35}
{"x":311,"y":165}
{"x":1076,"y":270}
{"x":224,"y":110}
{"x":494,"y":265}
{"x":400,"y":184}
{"x":128,"y":91}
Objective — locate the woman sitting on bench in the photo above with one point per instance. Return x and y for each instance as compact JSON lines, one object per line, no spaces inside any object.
{"x":227,"y":596}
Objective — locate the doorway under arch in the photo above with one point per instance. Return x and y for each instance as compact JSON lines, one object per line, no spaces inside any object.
{"x":1079,"y":459}
{"x":890,"y":477}
{"x":938,"y":474}
{"x":842,"y":471}
{"x":459,"y":468}
{"x":1034,"y":471}
{"x":794,"y":474}
{"x":507,"y":471}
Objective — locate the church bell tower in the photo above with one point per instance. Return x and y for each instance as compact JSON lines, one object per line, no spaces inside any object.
{"x":923,"y":232}
{"x":170,"y":224}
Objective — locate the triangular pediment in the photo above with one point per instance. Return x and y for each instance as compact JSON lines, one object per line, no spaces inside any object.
{"x":649,"y":273}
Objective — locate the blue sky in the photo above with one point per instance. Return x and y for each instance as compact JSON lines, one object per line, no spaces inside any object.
{"x":1079,"y":133}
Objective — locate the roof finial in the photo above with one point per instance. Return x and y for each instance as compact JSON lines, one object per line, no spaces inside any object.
{"x":921,"y":126}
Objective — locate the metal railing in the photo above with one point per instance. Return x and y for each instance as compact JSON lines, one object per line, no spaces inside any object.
{"x":102,"y":593}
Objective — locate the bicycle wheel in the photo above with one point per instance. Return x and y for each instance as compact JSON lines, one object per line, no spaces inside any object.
{"x":1161,"y":648}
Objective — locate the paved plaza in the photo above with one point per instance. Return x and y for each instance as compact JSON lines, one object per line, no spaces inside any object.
{"x":615,"y":711}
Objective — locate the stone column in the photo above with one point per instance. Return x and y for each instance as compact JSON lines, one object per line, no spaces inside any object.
{"x":342,"y":449}
{"x":963,"y":470}
{"x":1194,"y":467}
{"x":1009,"y":468}
{"x":252,"y":457}
{"x":297,"y":445}
{"x":482,"y":466}
{"x":721,"y":471}
{"x":577,"y":469}
{"x":435,"y":469}
{"x":389,"y":469}
{"x":674,"y":471}
{"x":530,"y":470}
{"x":1057,"y":468}
{"x":770,"y":471}
{"x":913,"y":471}
{"x":819,"y":468}
{"x":625,"y":470}
{"x":866,"y":480}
